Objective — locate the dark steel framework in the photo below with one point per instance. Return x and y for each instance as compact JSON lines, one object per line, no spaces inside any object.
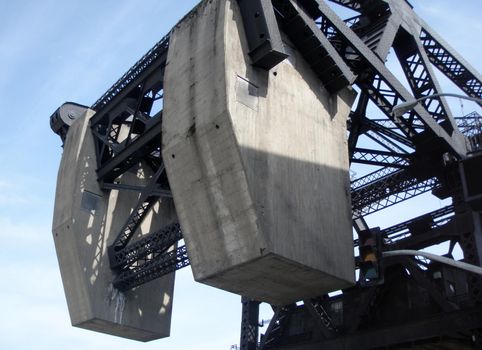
{"x":424,"y":150}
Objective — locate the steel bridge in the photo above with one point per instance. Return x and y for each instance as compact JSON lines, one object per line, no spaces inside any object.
{"x":426,"y":149}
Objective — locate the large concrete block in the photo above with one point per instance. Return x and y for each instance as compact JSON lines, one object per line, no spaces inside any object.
{"x":86,"y":221}
{"x":257,"y":162}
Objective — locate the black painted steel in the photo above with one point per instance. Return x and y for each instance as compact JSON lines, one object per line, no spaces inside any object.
{"x":389,"y":190}
{"x":314,"y":46}
{"x":383,"y":88}
{"x":249,"y":324}
{"x":449,"y":62}
{"x":64,"y":116}
{"x":262,"y":33}
{"x":151,"y":268}
{"x":381,"y":158}
{"x":158,"y":241}
{"x":277,"y":326}
{"x":153,"y":59}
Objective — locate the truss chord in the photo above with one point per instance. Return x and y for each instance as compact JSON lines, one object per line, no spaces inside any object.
{"x":389,"y":190}
{"x":392,"y":141}
{"x":450,"y":63}
{"x":134,"y":72}
{"x":152,"y":269}
{"x":155,"y":242}
{"x":436,"y":216}
{"x":421,"y":78}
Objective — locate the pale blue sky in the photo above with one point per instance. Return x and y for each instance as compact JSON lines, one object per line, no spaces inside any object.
{"x":54,"y":51}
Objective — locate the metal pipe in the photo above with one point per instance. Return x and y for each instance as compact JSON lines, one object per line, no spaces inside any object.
{"x":404,"y":107}
{"x":433,"y":257}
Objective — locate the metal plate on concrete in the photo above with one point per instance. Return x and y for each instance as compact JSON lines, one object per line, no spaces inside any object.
{"x":247,"y":93}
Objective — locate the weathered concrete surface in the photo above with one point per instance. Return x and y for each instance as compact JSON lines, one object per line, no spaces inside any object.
{"x":86,"y":221}
{"x":257,"y":162}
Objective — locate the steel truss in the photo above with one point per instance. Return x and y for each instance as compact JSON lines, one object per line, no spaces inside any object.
{"x":426,"y":149}
{"x":127,"y":133}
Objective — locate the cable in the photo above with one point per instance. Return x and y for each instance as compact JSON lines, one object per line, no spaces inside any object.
{"x":433,"y":257}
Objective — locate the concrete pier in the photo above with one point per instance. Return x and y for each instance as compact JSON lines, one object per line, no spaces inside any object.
{"x":257,"y":162}
{"x":86,"y":221}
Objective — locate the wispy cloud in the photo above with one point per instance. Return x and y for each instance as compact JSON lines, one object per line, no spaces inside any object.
{"x":24,"y":233}
{"x":16,"y":190}
{"x":463,"y":22}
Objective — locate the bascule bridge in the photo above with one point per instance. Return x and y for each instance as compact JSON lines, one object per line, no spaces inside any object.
{"x":234,"y":146}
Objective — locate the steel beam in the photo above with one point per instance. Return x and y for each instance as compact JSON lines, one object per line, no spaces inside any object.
{"x":145,"y":67}
{"x":132,"y":154}
{"x":380,"y":158}
{"x":389,"y":190}
{"x":154,"y":267}
{"x":277,"y":327}
{"x":314,"y":46}
{"x":156,"y":242}
{"x":380,"y":129}
{"x":449,"y":62}
{"x":249,"y":324}
{"x":422,"y":80}
{"x":262,"y":33}
{"x":355,"y":126}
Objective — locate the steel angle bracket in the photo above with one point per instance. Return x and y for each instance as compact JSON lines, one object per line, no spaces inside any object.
{"x":313,"y":44}
{"x":264,"y":39}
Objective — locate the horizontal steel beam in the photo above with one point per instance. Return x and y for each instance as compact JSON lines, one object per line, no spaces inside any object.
{"x":156,"y":191}
{"x":389,"y":190}
{"x":380,"y":158}
{"x":154,"y":268}
{"x":156,"y":242}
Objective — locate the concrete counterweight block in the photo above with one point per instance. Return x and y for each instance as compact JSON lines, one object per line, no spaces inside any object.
{"x":86,"y":221}
{"x":257,"y":162}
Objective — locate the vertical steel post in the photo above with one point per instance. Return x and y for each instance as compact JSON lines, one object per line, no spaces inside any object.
{"x":249,"y":324}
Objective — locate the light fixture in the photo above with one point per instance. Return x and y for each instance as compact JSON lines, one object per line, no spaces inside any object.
{"x":404,"y":107}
